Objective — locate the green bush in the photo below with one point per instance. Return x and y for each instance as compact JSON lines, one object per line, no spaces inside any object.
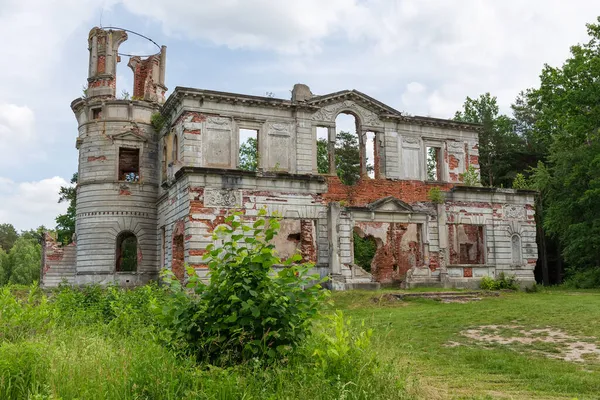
{"x":364,"y":251}
{"x":502,"y":281}
{"x":585,"y":279}
{"x":246,"y":310}
{"x":23,"y":370}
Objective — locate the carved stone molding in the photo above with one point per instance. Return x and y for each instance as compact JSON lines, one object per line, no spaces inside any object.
{"x":514,"y":211}
{"x":279,"y":129}
{"x":330,"y":112}
{"x":218,"y":122}
{"x":226,"y":198}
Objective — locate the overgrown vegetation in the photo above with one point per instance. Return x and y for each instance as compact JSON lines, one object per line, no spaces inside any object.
{"x":551,"y":144}
{"x":364,"y":251}
{"x":435,"y":195}
{"x":248,"y":333}
{"x":157,"y":121}
{"x":245,"y":311}
{"x":20,"y":255}
{"x":501,"y":282}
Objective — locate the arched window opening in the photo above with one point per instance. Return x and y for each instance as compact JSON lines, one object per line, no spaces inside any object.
{"x":127,"y":252}
{"x":517,"y":258}
{"x":349,"y":150}
{"x":175,"y":149}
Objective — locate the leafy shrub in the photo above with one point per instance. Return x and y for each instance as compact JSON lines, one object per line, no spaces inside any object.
{"x":364,"y":250}
{"x":583,"y":279}
{"x":470,"y":177}
{"x":246,"y":310}
{"x":502,"y":281}
{"x":435,"y":195}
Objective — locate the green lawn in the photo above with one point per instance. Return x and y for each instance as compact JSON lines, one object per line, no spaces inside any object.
{"x":414,"y":335}
{"x":107,"y":344}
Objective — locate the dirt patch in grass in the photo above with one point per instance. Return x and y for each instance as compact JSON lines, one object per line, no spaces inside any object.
{"x":551,"y":342}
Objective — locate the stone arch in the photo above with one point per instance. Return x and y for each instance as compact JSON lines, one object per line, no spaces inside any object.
{"x":175,"y":150}
{"x":128,"y":253}
{"x":344,"y":143}
{"x":178,"y":250}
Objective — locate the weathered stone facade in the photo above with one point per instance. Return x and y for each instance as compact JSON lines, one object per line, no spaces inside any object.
{"x":172,"y":187}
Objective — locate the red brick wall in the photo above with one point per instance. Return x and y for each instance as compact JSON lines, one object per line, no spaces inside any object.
{"x":368,"y":190}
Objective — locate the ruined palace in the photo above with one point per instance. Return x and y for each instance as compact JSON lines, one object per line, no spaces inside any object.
{"x":158,"y":174}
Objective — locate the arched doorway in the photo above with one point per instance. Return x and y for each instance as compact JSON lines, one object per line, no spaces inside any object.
{"x":127,"y":252}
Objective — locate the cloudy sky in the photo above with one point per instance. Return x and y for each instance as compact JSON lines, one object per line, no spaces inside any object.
{"x":419,"y":56}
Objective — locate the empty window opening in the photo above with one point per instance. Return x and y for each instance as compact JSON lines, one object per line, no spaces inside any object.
{"x":175,"y":149}
{"x":248,"y":151}
{"x":434,"y":172}
{"x":364,"y":250}
{"x":163,"y":246}
{"x":127,"y":254}
{"x":517,"y":258}
{"x":348,"y":157}
{"x":129,"y":164}
{"x":164,"y":163}
{"x":322,"y":150}
{"x":370,"y":150}
{"x":97,"y":113}
{"x":177,"y":263}
{"x":468,"y":244}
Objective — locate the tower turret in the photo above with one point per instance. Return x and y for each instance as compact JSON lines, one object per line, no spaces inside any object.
{"x":118,"y":181}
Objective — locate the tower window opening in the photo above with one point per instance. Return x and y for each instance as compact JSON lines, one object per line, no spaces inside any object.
{"x":129,"y":165}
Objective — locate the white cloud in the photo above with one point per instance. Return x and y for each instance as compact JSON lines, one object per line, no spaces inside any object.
{"x":285,"y":26}
{"x":454,"y":48}
{"x":28,"y":205}
{"x":17,"y":135}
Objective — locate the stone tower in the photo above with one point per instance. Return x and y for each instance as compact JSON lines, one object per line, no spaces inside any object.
{"x":116,"y":229}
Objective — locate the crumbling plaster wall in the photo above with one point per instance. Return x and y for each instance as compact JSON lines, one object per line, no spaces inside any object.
{"x":59,"y":262}
{"x":203,"y":200}
{"x":502,"y":213}
{"x":107,"y":206}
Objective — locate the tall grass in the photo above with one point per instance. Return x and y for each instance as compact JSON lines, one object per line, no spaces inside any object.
{"x":106,"y":344}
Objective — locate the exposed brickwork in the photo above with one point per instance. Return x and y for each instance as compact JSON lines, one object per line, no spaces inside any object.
{"x":96,"y":158}
{"x":466,"y":244}
{"x":453,"y":162}
{"x":468,"y":272}
{"x":396,"y":254}
{"x":368,"y":190}
{"x":178,"y":256}
{"x":143,"y":83}
{"x":307,"y":241}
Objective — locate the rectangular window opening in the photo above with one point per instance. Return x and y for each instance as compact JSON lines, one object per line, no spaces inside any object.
{"x":163,"y":245}
{"x":370,"y":150}
{"x":434,"y":171}
{"x":97,"y":113}
{"x":322,"y":150}
{"x":129,"y":164}
{"x":248,"y":150}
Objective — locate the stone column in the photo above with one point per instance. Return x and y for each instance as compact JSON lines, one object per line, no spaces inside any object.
{"x":333,"y":215}
{"x":443,"y":241}
{"x":331,"y":133}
